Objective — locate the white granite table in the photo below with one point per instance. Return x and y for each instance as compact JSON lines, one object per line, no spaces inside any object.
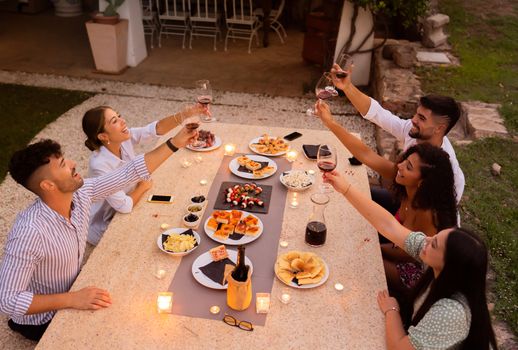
{"x":124,"y":263}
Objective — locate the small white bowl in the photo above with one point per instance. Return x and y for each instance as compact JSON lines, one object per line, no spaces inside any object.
{"x":190,"y":209}
{"x":203,"y":203}
{"x":191,"y":223}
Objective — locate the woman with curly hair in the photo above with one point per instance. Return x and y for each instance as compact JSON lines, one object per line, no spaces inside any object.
{"x":454,"y":312}
{"x":423,"y":182}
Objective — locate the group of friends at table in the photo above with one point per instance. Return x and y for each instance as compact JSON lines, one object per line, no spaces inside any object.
{"x":436,"y":270}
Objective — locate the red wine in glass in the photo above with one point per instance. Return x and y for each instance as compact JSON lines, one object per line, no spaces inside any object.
{"x":316,"y":233}
{"x":204,"y":100}
{"x":326,"y":166}
{"x":324,"y":94}
{"x":192,"y":126}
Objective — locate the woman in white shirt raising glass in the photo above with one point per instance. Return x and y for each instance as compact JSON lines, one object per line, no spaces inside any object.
{"x":111,"y":142}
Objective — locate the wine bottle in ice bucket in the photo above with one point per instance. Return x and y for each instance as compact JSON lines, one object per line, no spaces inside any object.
{"x":239,"y":290}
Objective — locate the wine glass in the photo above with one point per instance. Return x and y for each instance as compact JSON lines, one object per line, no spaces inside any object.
{"x":345,"y":62}
{"x":204,"y":97}
{"x":326,"y":162}
{"x":193,"y":123}
{"x":324,"y":90}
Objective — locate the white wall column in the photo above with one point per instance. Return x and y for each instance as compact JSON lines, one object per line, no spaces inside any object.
{"x":131,"y":11}
{"x":364,"y":22}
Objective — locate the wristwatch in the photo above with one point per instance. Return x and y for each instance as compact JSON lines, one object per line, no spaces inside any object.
{"x":171,"y":146}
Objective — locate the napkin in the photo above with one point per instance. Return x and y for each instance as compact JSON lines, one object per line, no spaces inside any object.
{"x":216,"y":270}
{"x":311,"y":151}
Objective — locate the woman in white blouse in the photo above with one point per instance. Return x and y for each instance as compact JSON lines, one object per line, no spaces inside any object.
{"x":454,"y":312}
{"x":111,"y":143}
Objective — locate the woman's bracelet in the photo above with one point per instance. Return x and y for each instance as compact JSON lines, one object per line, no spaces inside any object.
{"x":393,"y":308}
{"x":348,"y":187}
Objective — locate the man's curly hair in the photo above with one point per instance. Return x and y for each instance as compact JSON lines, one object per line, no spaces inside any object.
{"x":437,"y":190}
{"x":24,"y":162}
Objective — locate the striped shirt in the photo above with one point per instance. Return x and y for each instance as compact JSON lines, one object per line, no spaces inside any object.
{"x":44,"y":250}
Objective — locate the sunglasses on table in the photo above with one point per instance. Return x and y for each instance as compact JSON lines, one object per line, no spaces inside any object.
{"x":244,"y":325}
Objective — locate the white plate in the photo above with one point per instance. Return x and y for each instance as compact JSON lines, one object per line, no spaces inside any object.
{"x":234,"y":165}
{"x":206,"y":259}
{"x":256,"y":140}
{"x":177,"y":230}
{"x":217,"y":144}
{"x":297,"y":189}
{"x":243,"y":240}
{"x":306,"y":286}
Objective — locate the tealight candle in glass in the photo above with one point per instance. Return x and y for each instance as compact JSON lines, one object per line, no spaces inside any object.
{"x":230,"y":149}
{"x":262,"y":303}
{"x":293,"y":200}
{"x":164,"y":302}
{"x":291,"y":156}
{"x":285,"y":296}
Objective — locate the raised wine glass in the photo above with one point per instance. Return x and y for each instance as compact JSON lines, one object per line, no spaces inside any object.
{"x":324,"y":90}
{"x":193,"y":123}
{"x":204,"y":97}
{"x":345,"y":62}
{"x":326,"y":161}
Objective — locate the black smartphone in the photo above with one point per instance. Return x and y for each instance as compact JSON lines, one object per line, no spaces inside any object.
{"x":158,"y":198}
{"x":354,"y":161}
{"x":294,"y":135}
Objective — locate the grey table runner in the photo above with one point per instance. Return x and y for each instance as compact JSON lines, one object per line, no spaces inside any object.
{"x":193,"y":299}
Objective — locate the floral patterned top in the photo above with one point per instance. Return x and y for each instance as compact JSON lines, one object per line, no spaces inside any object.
{"x":447,"y":323}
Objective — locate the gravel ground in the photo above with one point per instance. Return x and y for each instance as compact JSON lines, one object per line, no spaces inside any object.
{"x":141,"y":104}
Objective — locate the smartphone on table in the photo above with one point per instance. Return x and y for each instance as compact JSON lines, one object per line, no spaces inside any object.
{"x":294,"y":135}
{"x":160,"y":198}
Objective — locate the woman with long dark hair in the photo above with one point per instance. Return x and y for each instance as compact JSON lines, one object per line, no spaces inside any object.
{"x":112,"y":144}
{"x":423,"y":183}
{"x":454,"y":313}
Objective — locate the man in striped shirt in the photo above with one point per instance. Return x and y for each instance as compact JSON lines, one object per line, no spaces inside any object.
{"x":45,"y":246}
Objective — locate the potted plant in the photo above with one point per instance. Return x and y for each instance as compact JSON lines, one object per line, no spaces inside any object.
{"x":357,"y":28}
{"x":109,"y":15}
{"x":108,"y":35}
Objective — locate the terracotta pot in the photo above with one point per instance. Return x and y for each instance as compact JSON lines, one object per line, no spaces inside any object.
{"x":98,"y":17}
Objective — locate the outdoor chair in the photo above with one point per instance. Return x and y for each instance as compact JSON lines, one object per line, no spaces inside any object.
{"x":174,"y":19}
{"x":204,"y":19}
{"x":242,"y":23}
{"x":149,"y":20}
{"x":275,"y":14}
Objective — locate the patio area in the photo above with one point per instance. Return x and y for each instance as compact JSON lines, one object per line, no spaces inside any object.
{"x":44,"y":43}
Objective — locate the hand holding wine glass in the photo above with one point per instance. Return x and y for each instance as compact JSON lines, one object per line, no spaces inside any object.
{"x":324,"y":90}
{"x":192,"y":124}
{"x":326,"y":161}
{"x":341,"y":71}
{"x":204,"y":97}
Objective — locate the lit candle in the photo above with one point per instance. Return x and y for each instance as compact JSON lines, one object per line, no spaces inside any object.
{"x":164,"y":226}
{"x":291,"y":156}
{"x":230,"y":149}
{"x":294,"y":202}
{"x":198,"y":159}
{"x":311,"y":172}
{"x":283,"y":244}
{"x":164,"y":302}
{"x":203,"y":182}
{"x":185,"y":163}
{"x":285,"y":297}
{"x":214,"y":309}
{"x":339,"y":287}
{"x":262,"y":303}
